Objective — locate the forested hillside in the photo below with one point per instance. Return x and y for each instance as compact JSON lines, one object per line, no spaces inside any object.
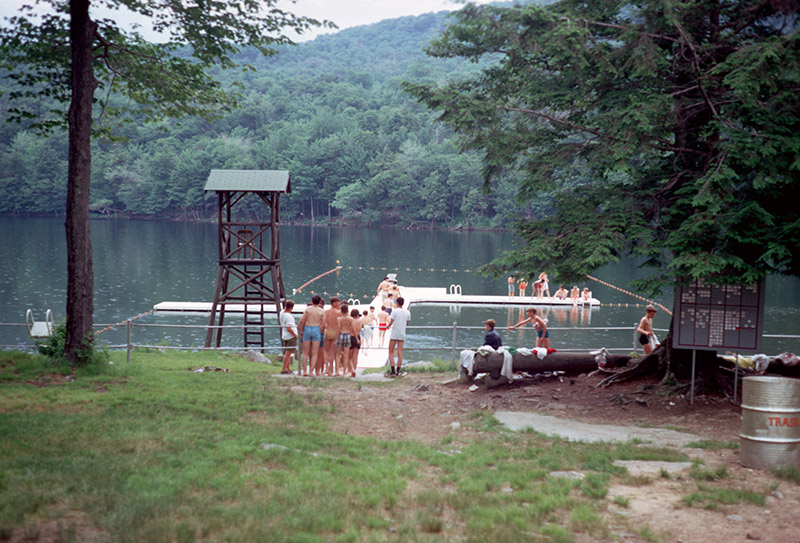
{"x":331,"y":111}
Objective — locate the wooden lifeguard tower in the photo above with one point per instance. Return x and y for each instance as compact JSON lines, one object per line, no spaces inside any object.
{"x":249,"y":272}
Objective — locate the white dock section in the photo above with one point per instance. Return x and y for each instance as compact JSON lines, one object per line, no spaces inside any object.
{"x":412,"y":296}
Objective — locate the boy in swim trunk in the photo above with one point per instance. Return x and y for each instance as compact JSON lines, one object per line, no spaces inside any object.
{"x":330,"y":332}
{"x":645,"y":330}
{"x":310,"y":330}
{"x":355,"y":343}
{"x":342,"y":342}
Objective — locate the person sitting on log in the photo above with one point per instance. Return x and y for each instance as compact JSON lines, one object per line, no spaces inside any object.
{"x":492,"y":338}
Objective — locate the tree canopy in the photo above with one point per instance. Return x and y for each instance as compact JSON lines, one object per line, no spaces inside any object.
{"x":668,"y":130}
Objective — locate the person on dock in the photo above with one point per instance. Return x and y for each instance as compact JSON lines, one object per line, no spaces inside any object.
{"x":383,"y":288}
{"x":342,"y":354}
{"x":562,"y":293}
{"x":330,"y":329}
{"x":395,"y":291}
{"x":367,"y":325}
{"x":383,"y":324}
{"x":355,"y":344}
{"x":645,"y":329}
{"x":586,"y":295}
{"x":523,"y":284}
{"x":492,"y":337}
{"x":544,"y":286}
{"x":310,"y":330}
{"x":388,"y":303}
{"x":539,"y":324}
{"x":511,"y":283}
{"x":575,"y":295}
{"x":398,"y":321}
{"x":288,"y":336}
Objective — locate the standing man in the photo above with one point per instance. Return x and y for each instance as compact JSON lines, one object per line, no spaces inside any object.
{"x":288,"y":336}
{"x":511,"y":282}
{"x":310,"y":331}
{"x":383,"y":288}
{"x":398,"y":321}
{"x":330,"y":330}
{"x":646,"y":335}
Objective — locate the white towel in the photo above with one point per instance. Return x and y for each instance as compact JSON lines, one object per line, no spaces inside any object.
{"x":600,"y":356}
{"x":524,"y":351}
{"x":541,"y":352}
{"x":508,"y":365}
{"x":467,"y":361}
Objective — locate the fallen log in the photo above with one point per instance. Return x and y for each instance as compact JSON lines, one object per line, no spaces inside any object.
{"x":569,"y":363}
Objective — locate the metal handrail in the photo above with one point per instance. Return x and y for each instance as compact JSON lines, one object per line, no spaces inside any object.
{"x":453,"y":347}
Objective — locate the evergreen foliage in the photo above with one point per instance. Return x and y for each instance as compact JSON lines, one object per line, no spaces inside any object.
{"x":331,"y":111}
{"x":663,"y":129}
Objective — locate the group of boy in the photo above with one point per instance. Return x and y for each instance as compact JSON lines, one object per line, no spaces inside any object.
{"x":540,"y":288}
{"x":342,"y":333}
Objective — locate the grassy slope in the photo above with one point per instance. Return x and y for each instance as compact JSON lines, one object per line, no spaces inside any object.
{"x":152,"y":451}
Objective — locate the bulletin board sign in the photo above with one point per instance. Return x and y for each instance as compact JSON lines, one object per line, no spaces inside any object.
{"x":719,"y":317}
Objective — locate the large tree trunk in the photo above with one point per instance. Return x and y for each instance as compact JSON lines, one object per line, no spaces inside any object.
{"x":80,"y":278}
{"x":569,"y":363}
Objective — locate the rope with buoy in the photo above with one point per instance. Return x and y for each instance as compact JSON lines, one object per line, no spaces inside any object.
{"x":629,"y":293}
{"x":301,"y":287}
{"x":122,"y":323}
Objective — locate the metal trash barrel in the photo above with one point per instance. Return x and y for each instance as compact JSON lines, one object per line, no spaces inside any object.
{"x":770,"y":422}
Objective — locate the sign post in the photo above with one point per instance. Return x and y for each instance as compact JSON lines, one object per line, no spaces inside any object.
{"x":714,"y":317}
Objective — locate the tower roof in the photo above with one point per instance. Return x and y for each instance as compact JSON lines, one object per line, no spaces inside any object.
{"x":249,"y":180}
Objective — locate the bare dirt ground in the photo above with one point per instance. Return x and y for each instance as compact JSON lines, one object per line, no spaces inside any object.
{"x":421,"y":407}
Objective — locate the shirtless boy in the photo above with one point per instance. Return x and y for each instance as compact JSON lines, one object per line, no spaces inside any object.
{"x":383,"y":324}
{"x":309,"y":329}
{"x":330,"y":329}
{"x":645,"y":329}
{"x":342,"y":342}
{"x":355,"y":343}
{"x":383,"y":288}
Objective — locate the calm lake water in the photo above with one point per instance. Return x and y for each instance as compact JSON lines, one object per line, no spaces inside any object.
{"x":138,"y":264}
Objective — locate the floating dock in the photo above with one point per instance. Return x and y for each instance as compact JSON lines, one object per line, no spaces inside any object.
{"x":411,"y":295}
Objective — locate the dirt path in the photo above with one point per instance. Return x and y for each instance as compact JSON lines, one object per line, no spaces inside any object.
{"x":420,"y":407}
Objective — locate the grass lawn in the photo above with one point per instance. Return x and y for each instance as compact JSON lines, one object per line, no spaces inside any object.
{"x":152,"y":451}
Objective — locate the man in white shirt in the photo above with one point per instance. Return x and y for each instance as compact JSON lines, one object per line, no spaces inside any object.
{"x":398,"y":321}
{"x":288,"y":336}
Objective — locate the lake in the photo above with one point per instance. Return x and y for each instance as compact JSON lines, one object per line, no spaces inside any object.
{"x":138,"y":264}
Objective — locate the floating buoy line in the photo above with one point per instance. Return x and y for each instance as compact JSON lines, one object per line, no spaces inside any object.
{"x":124,"y":323}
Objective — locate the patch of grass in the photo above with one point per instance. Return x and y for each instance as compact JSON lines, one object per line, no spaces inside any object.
{"x":713,"y":445}
{"x":702,"y":474}
{"x":622,"y":501}
{"x":649,"y":535}
{"x":583,"y":518}
{"x":711,"y":498}
{"x":790,"y":473}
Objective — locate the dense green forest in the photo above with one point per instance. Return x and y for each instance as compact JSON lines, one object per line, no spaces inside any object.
{"x":331,"y":111}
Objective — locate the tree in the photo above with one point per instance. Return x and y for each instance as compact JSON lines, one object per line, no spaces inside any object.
{"x":668,"y":130}
{"x":71,"y":57}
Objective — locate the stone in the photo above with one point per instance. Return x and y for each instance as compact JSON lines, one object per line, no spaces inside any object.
{"x":455,"y":426}
{"x":254,"y":356}
{"x":567,"y":475}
